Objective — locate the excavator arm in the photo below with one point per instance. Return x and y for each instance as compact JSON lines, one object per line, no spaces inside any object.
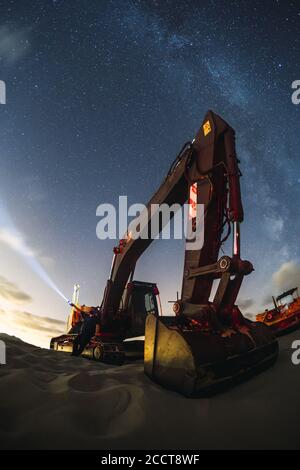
{"x":208,"y":343}
{"x":173,"y":190}
{"x":208,"y":166}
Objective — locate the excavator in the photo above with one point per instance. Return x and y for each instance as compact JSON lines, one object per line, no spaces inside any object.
{"x":285,"y":316}
{"x":206,"y":344}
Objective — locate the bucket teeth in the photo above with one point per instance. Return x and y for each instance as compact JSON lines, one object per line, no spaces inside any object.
{"x":197,"y":362}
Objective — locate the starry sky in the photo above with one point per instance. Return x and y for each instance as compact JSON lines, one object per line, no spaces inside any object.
{"x":101,"y":95}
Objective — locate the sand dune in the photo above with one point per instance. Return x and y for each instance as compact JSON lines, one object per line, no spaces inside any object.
{"x":53,"y":401}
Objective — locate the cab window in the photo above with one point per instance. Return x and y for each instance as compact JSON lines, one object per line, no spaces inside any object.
{"x":150,"y":303}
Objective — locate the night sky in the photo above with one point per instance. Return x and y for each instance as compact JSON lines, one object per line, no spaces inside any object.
{"x":101,"y":95}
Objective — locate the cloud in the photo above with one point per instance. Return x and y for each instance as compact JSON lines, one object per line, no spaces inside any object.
{"x":287,"y":276}
{"x":47,"y":261}
{"x":15,"y":241}
{"x":245,"y":303}
{"x":250,"y":315}
{"x":11,"y":292}
{"x":267,"y":300}
{"x":45,"y":325}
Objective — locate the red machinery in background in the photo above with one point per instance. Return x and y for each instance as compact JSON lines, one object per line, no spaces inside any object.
{"x":285,"y":316}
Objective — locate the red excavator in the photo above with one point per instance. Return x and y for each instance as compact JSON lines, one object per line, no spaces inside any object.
{"x":207,"y":343}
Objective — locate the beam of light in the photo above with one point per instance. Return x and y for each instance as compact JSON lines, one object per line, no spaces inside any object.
{"x":11,"y":237}
{"x":40,"y":271}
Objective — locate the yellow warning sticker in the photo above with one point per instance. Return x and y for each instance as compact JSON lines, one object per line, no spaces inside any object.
{"x":206,"y":128}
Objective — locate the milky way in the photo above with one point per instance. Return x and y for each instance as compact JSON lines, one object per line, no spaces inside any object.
{"x":102,"y":95}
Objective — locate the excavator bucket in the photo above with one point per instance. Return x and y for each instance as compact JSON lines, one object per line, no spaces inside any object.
{"x":196,"y":363}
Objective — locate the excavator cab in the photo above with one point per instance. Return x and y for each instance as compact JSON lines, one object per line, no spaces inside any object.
{"x":139,"y":300}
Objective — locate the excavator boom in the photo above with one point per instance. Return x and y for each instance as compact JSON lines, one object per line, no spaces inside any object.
{"x":208,"y":343}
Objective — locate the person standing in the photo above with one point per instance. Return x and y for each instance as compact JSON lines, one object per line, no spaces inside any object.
{"x":87,"y":331}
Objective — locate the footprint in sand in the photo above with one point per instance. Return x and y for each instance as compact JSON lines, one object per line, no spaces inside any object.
{"x":105,"y":407}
